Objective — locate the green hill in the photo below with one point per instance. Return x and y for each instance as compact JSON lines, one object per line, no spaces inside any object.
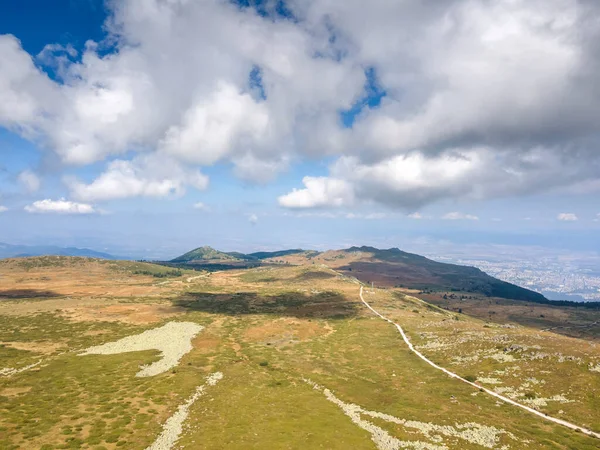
{"x":205,"y":254}
{"x":278,"y":254}
{"x":416,"y":271}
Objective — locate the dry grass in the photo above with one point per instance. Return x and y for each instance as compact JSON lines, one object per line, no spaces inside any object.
{"x":267,"y":329}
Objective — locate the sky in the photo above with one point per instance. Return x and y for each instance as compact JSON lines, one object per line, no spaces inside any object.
{"x":149,"y":127}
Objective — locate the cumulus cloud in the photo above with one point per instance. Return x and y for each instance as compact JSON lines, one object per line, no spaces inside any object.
{"x":29,"y":180}
{"x":3,"y":209}
{"x":194,"y":102}
{"x":146,"y":176}
{"x":415,"y":215}
{"x":319,"y":192}
{"x":482,"y":99}
{"x":459,"y":216}
{"x":253,"y":219}
{"x":567,"y":217}
{"x":61,"y":206}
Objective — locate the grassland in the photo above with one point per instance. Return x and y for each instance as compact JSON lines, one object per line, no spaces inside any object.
{"x":272,"y":331}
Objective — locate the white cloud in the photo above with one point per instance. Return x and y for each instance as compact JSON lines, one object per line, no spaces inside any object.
{"x":29,"y":180}
{"x":415,"y":216}
{"x":3,"y":209}
{"x":61,"y":206}
{"x":483,"y":99}
{"x":146,"y":176}
{"x":193,"y":101}
{"x":459,"y":216}
{"x":201,"y":207}
{"x":567,"y":217}
{"x":253,"y":219}
{"x":319,"y":192}
{"x":370,"y":216}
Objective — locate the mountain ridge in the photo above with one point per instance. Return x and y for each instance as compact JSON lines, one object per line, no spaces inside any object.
{"x":23,"y":251}
{"x":390,"y":267}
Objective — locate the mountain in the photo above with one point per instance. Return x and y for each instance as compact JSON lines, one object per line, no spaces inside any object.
{"x":204,"y":254}
{"x":207,"y":254}
{"x":394,"y":267}
{"x":390,"y":268}
{"x":19,"y":251}
{"x":278,"y":254}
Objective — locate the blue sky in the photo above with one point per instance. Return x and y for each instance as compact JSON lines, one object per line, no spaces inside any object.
{"x":145,"y":128}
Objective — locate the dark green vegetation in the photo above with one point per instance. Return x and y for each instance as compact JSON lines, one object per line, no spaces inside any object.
{"x":328,"y":304}
{"x":159,"y":274}
{"x":204,"y":254}
{"x":417,"y":272}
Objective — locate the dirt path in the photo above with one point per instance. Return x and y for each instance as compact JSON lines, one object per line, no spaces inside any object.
{"x":190,"y":279}
{"x":475,"y":385}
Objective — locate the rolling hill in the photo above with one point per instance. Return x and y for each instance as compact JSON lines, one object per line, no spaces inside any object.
{"x":390,"y":268}
{"x":209,"y":254}
{"x":203,"y":254}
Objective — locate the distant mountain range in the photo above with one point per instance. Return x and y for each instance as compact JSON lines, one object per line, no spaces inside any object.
{"x":391,"y":268}
{"x":20,"y":251}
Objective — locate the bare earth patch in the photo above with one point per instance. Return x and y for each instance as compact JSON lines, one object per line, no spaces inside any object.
{"x":12,"y":392}
{"x":287,"y":331}
{"x":37,"y":347}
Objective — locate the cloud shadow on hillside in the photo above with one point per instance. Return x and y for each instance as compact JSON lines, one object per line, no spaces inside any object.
{"x":27,"y":293}
{"x":330,"y":305}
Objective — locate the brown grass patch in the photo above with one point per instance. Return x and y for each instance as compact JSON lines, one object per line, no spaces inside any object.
{"x":137,"y":313}
{"x":14,"y":391}
{"x":287,"y":331}
{"x":37,"y":347}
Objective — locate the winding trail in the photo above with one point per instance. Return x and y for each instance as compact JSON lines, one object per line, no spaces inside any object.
{"x":475,"y":385}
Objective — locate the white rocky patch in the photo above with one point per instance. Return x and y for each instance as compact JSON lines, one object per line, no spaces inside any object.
{"x":9,"y":371}
{"x":173,"y":427}
{"x":489,"y":380}
{"x":519,"y":394}
{"x":173,"y":340}
{"x":544,"y":401}
{"x":502,"y":357}
{"x":595,"y":368}
{"x":474,"y":433}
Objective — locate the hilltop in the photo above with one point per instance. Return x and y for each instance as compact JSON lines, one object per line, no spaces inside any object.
{"x":205,"y":254}
{"x":209,"y":254}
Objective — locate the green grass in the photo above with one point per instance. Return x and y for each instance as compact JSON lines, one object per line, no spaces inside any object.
{"x":263,"y":401}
